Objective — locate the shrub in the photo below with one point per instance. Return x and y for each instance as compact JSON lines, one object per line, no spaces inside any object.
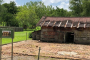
{"x":30,"y":35}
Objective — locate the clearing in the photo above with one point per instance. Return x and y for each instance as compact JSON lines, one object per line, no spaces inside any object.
{"x":54,"y":50}
{"x":18,"y":36}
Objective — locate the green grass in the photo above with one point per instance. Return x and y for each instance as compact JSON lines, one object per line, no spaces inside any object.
{"x":18,"y":36}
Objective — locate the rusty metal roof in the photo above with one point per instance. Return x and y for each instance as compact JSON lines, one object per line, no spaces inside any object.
{"x":65,"y":21}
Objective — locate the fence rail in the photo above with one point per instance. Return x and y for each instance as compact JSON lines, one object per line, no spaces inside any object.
{"x":15,"y":28}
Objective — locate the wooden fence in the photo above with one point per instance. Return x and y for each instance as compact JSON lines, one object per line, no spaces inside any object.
{"x":15,"y":28}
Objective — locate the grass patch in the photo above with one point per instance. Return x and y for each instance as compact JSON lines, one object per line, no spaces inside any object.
{"x":18,"y":36}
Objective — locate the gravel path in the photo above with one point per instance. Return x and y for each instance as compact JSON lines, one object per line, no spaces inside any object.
{"x":57,"y":50}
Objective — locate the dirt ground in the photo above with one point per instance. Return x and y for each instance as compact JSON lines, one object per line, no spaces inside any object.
{"x":53,"y":50}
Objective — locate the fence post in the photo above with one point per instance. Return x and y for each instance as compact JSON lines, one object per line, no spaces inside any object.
{"x":0,"y":47}
{"x":12,"y":50}
{"x":26,"y":36}
{"x":39,"y":53}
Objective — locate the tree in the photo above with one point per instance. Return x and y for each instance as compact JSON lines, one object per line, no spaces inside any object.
{"x":39,"y":8}
{"x":86,"y":7}
{"x":9,"y":15}
{"x":76,"y":7}
{"x":80,"y":7}
{"x":2,"y":11}
{"x":58,"y":12}
{"x":27,"y":16}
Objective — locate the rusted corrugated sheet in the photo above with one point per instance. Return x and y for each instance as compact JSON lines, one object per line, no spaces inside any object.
{"x":65,"y":21}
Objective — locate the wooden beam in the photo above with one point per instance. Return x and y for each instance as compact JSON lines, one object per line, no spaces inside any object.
{"x":54,"y":24}
{"x":78,"y":24}
{"x":59,"y":24}
{"x":48,"y":24}
{"x":42,"y":23}
{"x":84,"y":25}
{"x":66,"y":24}
{"x":71,"y":25}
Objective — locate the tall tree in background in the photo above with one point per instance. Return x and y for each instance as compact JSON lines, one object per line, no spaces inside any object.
{"x":31,"y":13}
{"x":9,"y":15}
{"x":0,"y":9}
{"x":40,"y":8}
{"x":86,"y":8}
{"x":27,"y":16}
{"x":80,"y":8}
{"x":76,"y":7}
{"x":0,"y":3}
{"x":61,"y":12}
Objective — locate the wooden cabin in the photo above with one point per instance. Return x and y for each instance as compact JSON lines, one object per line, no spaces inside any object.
{"x":36,"y":35}
{"x":65,"y":29}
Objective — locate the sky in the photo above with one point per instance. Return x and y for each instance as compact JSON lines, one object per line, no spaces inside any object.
{"x":59,"y":3}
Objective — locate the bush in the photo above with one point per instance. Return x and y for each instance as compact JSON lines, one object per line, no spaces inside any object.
{"x":30,"y":35}
{"x":37,"y":28}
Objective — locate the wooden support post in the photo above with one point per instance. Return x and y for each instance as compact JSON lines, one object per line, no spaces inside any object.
{"x":0,"y":47}
{"x":26,"y":36}
{"x":39,"y":53}
{"x":12,"y":50}
{"x":64,"y":37}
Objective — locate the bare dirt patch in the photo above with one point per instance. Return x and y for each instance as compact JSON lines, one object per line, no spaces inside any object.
{"x":57,"y":50}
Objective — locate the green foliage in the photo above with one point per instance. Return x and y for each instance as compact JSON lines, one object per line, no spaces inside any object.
{"x":11,"y":7}
{"x":37,"y":28}
{"x":30,"y":35}
{"x":80,"y":8}
{"x":86,"y":8}
{"x":58,"y":12}
{"x":76,"y":7}
{"x":8,"y":14}
{"x":1,"y":9}
{"x":27,"y":16}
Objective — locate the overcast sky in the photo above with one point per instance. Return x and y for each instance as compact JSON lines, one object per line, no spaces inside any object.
{"x":60,"y":3}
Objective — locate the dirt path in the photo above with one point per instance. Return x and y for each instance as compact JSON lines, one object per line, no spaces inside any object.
{"x":57,"y":50}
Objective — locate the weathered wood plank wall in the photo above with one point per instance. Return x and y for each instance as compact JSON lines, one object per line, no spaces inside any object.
{"x":57,"y":34}
{"x":82,"y":36}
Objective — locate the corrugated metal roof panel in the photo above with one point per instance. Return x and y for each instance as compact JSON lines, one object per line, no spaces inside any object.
{"x":75,"y":21}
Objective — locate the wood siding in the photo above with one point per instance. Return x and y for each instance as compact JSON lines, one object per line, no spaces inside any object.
{"x":82,"y":36}
{"x":57,"y":34}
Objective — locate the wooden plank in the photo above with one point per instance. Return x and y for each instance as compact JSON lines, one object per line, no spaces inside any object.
{"x":78,"y":24}
{"x":48,"y":24}
{"x":66,"y":24}
{"x":84,"y":25}
{"x":51,"y":23}
{"x":75,"y":24}
{"x":59,"y":24}
{"x":63,"y":23}
{"x":71,"y":25}
{"x":43,"y":23}
{"x":54,"y":24}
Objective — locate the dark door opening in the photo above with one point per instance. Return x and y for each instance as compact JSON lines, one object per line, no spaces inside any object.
{"x":69,"y":37}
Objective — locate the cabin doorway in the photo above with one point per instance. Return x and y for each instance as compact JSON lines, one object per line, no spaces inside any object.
{"x":69,"y":37}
